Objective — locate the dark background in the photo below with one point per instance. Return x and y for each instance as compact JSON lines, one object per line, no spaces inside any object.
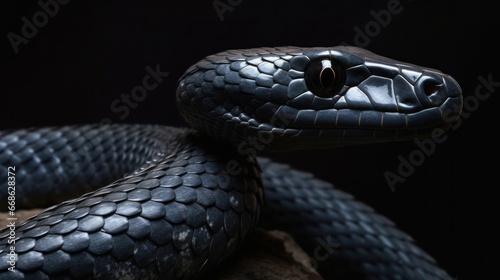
{"x":87,"y":54}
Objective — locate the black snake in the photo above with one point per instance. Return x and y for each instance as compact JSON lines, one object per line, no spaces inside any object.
{"x":192,"y":195}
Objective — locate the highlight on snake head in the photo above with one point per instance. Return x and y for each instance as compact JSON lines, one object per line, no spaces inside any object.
{"x":328,"y":96}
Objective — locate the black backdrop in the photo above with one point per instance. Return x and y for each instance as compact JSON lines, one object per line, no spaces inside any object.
{"x":67,"y":62}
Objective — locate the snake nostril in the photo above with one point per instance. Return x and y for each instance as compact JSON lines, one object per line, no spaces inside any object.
{"x":430,"y":87}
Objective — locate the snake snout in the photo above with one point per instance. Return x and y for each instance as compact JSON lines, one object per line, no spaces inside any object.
{"x":435,"y":89}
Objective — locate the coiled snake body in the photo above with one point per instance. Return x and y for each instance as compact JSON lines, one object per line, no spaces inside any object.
{"x":192,"y":195}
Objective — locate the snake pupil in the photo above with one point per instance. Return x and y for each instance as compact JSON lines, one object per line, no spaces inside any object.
{"x":327,"y":77}
{"x":323,"y":78}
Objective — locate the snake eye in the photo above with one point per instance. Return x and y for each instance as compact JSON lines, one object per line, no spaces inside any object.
{"x":323,"y":78}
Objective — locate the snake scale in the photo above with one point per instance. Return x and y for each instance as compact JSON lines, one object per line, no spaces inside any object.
{"x":191,"y":196}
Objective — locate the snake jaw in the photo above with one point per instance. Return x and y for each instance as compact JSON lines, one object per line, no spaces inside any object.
{"x":367,"y":97}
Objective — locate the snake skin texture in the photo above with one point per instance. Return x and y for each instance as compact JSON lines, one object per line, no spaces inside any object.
{"x":172,"y":218}
{"x":346,"y":238}
{"x":190,"y":197}
{"x":57,"y":159}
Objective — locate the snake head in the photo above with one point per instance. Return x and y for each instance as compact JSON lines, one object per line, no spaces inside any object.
{"x":296,"y":98}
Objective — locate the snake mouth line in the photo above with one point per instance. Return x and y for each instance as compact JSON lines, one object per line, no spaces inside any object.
{"x":348,"y":134}
{"x":332,"y":128}
{"x":294,"y":139}
{"x":448,"y":112}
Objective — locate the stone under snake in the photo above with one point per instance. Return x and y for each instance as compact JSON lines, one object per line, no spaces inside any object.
{"x":191,"y":196}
